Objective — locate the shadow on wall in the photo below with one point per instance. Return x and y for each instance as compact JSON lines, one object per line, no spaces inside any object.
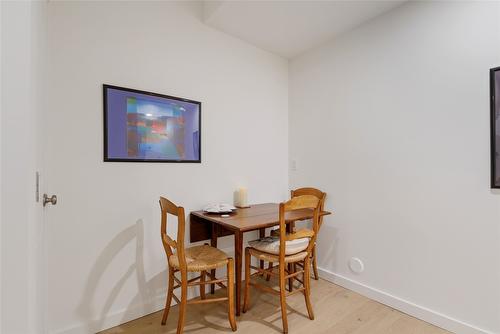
{"x":329,"y":255}
{"x":146,"y":293}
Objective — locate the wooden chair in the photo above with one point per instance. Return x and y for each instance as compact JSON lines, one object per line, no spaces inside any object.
{"x":200,"y":259}
{"x":321,"y":196}
{"x":283,"y":260}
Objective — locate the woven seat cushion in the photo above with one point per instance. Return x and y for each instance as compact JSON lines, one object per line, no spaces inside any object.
{"x":199,"y":258}
{"x":275,"y":258}
{"x":271,"y":245}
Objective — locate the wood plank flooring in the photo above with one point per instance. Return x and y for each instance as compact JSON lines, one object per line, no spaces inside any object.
{"x":336,"y":310}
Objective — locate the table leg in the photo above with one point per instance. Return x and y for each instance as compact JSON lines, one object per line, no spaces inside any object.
{"x":262,"y":234}
{"x":213,"y":243}
{"x":238,"y":254}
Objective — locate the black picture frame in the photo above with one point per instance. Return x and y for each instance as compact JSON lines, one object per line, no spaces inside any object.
{"x":106,"y":157}
{"x":495,"y":128}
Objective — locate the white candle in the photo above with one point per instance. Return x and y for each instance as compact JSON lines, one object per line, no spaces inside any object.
{"x":242,"y":197}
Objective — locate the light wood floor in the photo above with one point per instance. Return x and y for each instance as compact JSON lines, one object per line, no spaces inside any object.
{"x":336,"y":310}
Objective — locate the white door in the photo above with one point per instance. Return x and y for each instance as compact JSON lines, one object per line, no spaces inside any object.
{"x":22,"y":229}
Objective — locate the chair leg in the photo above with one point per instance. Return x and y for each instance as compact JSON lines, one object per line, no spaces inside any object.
{"x":212,"y":286}
{"x":294,"y":267}
{"x":307,"y":286}
{"x":246,"y":297}
{"x":270,"y":267}
{"x":230,"y":293}
{"x":170,"y":292}
{"x":203,"y":274}
{"x":182,"y":306}
{"x":262,"y":234}
{"x":314,"y":263}
{"x":283,"y":298}
{"x":261,"y":265}
{"x":290,"y":280}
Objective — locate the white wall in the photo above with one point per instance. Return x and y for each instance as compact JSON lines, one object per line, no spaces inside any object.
{"x":106,"y":261}
{"x":392,"y":120}
{"x":1,"y":157}
{"x":23,"y":39}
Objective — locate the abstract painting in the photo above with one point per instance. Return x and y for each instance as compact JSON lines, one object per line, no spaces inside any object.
{"x":143,"y":126}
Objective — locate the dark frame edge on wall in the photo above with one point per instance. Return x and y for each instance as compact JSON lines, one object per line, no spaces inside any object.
{"x":105,"y":125}
{"x":493,"y":129}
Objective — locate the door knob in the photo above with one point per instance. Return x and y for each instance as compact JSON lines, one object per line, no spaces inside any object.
{"x":52,"y":199}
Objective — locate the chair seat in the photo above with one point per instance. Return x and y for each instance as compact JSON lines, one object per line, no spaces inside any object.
{"x":271,"y":245}
{"x":275,"y":258}
{"x":200,"y":258}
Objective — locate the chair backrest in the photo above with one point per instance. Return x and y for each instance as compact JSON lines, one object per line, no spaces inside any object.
{"x":167,"y":207}
{"x":301,"y":202}
{"x":311,"y":191}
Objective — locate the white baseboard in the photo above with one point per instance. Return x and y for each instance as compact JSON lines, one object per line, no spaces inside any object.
{"x":417,"y":311}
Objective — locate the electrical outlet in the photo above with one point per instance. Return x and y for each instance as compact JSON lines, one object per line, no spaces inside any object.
{"x":356,"y":265}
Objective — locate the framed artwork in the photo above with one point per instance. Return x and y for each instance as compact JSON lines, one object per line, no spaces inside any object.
{"x":495,"y":126}
{"x":141,"y":126}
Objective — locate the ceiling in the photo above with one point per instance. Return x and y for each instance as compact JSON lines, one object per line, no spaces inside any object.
{"x":289,"y":28}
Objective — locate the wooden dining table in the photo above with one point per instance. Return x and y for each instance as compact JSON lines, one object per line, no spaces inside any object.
{"x":257,"y":217}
